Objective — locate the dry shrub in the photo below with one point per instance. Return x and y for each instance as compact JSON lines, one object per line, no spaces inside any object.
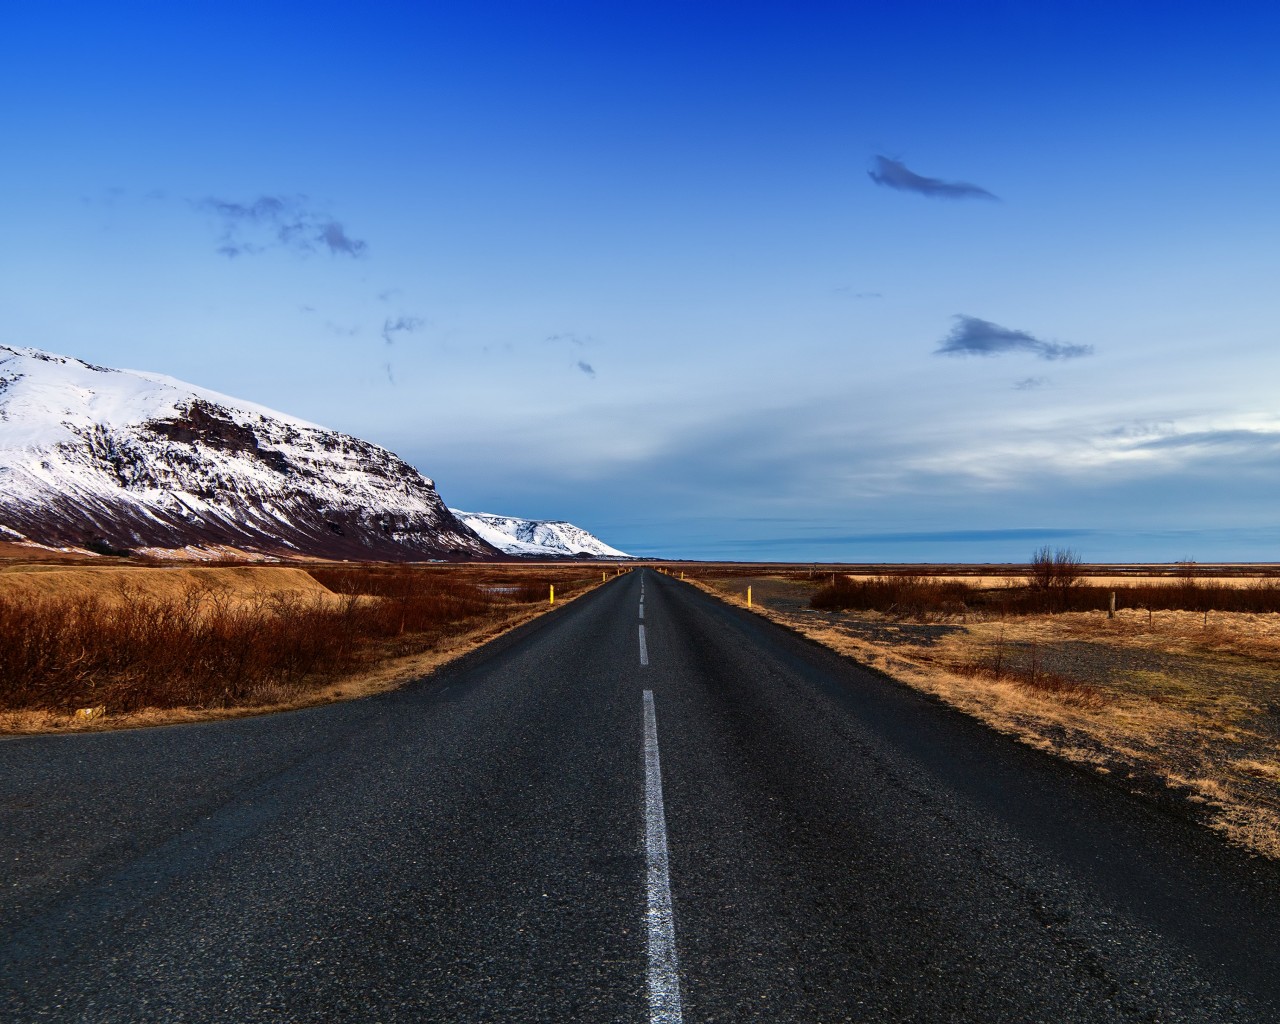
{"x":1192,"y":595}
{"x":62,"y":654}
{"x":410,"y":600}
{"x":917,"y":596}
{"x":529,"y":592}
{"x":906,"y":596}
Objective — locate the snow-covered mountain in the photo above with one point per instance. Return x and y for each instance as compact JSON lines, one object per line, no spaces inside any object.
{"x":536,"y":537}
{"x":122,"y":459}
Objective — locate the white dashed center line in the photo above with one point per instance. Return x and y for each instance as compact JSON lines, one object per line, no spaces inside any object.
{"x":664,"y":964}
{"x":644,"y":648}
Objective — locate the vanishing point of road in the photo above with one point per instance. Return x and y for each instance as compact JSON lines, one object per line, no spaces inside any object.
{"x":645,"y":806}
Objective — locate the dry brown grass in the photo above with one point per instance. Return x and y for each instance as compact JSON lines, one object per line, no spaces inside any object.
{"x":159,"y":645}
{"x":1169,"y":704}
{"x":379,"y":675}
{"x":241,"y":585}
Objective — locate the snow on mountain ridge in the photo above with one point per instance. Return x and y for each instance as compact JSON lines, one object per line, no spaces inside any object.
{"x":537,"y":537}
{"x":133,"y":397}
{"x":133,"y":459}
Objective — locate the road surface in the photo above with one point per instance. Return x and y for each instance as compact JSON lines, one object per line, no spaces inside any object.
{"x":644,"y":806}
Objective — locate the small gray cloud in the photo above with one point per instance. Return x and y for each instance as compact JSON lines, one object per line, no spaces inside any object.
{"x":851,"y":294}
{"x":1141,"y":430}
{"x":262,"y":208}
{"x":974,"y":337}
{"x":234,"y":250}
{"x":400,"y":325}
{"x":1030,"y":383}
{"x":896,"y":174}
{"x":569,"y":338}
{"x":288,"y":222}
{"x":338,"y":240}
{"x":586,"y":368}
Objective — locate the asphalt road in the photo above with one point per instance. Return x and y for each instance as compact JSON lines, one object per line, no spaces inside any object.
{"x":772,"y":835}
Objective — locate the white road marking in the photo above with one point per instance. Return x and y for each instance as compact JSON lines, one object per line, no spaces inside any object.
{"x":644,"y":648}
{"x":664,"y":963}
{"x":642,"y":609}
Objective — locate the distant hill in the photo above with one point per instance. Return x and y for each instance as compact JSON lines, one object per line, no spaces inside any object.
{"x":536,"y":537}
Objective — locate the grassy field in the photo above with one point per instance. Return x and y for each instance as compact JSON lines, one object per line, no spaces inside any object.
{"x":92,"y":646}
{"x":1176,"y":697}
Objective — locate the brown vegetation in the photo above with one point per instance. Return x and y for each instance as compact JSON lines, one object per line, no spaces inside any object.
{"x":915,"y":595}
{"x":115,"y":584}
{"x":135,"y":639}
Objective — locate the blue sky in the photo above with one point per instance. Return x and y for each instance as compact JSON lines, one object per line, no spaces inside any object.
{"x":628,"y":264}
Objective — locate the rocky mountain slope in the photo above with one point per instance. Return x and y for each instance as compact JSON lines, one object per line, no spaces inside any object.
{"x":536,"y":537}
{"x":119,"y":459}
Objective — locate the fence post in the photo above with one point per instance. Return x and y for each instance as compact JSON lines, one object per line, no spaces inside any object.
{"x":1111,"y":608}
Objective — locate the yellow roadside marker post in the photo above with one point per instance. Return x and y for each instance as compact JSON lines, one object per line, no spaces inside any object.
{"x":748,"y":597}
{"x":553,"y":594}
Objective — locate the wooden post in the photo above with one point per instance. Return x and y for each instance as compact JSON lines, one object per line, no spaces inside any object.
{"x":1111,"y":609}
